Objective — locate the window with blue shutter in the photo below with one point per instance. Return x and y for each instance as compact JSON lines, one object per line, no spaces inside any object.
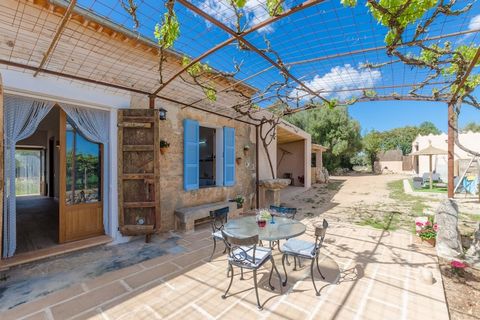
{"x":190,"y":154}
{"x":228,"y":156}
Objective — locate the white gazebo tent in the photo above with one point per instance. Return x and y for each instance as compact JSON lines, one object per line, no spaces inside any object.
{"x":429,"y":151}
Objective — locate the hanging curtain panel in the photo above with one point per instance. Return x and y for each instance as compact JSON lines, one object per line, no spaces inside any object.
{"x":22,"y":117}
{"x":94,"y":125}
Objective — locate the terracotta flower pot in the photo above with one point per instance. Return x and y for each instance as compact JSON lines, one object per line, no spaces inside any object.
{"x":430,"y":241}
{"x":163,"y":150}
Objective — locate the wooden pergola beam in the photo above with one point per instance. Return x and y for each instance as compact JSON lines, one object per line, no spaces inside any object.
{"x":343,"y":54}
{"x":56,"y":36}
{"x":115,"y":86}
{"x":451,"y":125}
{"x":249,"y":45}
{"x":305,"y":5}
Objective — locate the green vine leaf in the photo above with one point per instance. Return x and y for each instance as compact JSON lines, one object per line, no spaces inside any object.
{"x":168,"y":31}
{"x":275,"y":7}
{"x":239,"y":3}
{"x":348,"y":3}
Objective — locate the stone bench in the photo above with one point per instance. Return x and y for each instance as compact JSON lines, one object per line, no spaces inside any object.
{"x":185,"y":217}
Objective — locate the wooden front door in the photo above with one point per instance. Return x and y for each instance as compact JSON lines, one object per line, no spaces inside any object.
{"x":81,"y":179}
{"x":138,"y":171}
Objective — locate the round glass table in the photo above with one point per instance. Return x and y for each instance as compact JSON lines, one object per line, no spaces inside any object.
{"x":282,"y":228}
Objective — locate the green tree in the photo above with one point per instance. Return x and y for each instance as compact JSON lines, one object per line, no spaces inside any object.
{"x":472,"y":126}
{"x":402,"y":138}
{"x":372,"y":145}
{"x":334,"y":129}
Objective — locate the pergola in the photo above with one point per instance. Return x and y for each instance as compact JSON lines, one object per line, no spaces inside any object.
{"x":314,"y":51}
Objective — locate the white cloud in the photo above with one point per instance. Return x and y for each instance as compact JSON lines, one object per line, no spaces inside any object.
{"x":474,"y":23}
{"x":340,"y":82}
{"x":254,"y":12}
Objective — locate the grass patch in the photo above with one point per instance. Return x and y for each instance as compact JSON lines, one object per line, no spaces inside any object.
{"x":426,"y":188}
{"x":472,"y":217}
{"x":387,"y":222}
{"x":334,"y":185}
{"x":416,"y":204}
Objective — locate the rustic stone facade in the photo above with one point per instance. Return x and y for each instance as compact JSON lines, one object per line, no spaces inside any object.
{"x":171,"y":164}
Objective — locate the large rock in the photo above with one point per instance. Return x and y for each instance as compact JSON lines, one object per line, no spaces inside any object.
{"x":473,"y":253}
{"x":449,"y":243}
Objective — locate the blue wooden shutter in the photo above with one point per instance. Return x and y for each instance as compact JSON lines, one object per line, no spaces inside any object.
{"x":190,"y":154}
{"x":228,"y":156}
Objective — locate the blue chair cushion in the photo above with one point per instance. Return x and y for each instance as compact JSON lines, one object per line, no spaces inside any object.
{"x":299,"y":247}
{"x":244,"y":256}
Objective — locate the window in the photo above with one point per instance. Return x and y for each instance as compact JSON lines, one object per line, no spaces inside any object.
{"x":209,"y":156}
{"x":29,"y":171}
{"x":83,"y":168}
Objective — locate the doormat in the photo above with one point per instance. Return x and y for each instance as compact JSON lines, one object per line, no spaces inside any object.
{"x":34,"y":280}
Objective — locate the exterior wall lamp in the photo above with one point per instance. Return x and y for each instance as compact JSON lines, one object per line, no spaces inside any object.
{"x":162,"y":113}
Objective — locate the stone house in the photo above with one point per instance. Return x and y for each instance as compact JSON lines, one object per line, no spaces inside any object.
{"x":68,"y":119}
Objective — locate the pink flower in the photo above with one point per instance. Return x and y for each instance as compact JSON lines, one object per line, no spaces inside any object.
{"x":428,"y":223}
{"x":458,"y":264}
{"x":419,"y":224}
{"x":435,"y":227}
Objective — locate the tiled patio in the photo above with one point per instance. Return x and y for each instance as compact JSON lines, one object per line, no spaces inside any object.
{"x":370,"y":274}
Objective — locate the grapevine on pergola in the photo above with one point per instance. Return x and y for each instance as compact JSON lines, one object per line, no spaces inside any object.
{"x":445,"y":62}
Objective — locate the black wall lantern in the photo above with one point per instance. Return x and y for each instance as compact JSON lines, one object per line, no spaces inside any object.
{"x":163,"y":114}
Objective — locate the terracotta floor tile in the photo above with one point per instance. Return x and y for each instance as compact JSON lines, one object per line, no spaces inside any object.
{"x":87,"y":301}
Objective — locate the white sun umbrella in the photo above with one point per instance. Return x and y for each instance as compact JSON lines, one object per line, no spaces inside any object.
{"x":429,"y":151}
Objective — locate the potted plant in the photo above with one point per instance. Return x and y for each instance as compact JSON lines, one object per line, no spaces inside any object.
{"x":238,"y":160}
{"x":427,"y":231}
{"x":458,"y":267}
{"x":164,"y":145}
{"x":239,"y":200}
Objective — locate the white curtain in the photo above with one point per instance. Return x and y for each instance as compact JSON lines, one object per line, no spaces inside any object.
{"x":22,"y":117}
{"x":94,"y":125}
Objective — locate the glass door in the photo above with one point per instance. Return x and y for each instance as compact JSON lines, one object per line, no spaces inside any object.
{"x":81,"y":210}
{"x":29,"y":172}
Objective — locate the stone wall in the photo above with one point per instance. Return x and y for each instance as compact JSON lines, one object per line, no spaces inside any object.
{"x":171,"y":173}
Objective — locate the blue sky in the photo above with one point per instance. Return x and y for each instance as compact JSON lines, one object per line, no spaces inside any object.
{"x":385,"y":115}
{"x":324,"y":30}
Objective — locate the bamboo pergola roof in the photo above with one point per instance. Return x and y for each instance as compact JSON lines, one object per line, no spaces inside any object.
{"x":321,"y":48}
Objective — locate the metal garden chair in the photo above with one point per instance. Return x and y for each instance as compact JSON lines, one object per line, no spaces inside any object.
{"x":245,"y":254}
{"x":219,"y":219}
{"x":306,"y":250}
{"x":284,"y":211}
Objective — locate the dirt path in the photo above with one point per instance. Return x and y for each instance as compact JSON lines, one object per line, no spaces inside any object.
{"x":375,"y":200}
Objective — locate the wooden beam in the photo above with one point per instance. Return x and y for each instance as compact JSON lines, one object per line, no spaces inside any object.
{"x":239,"y":38}
{"x":57,"y":35}
{"x":452,"y":123}
{"x":302,"y":6}
{"x":116,"y":86}
{"x":1,"y":165}
{"x":451,"y":151}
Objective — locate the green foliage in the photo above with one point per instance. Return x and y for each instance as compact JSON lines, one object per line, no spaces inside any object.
{"x":471,"y":126}
{"x":274,"y":7}
{"x":402,"y":138}
{"x":168,"y":31}
{"x":334,"y":129}
{"x":398,"y":14}
{"x":372,"y":145}
{"x":210,"y":93}
{"x":348,"y":3}
{"x":197,"y":68}
{"x":239,"y":3}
